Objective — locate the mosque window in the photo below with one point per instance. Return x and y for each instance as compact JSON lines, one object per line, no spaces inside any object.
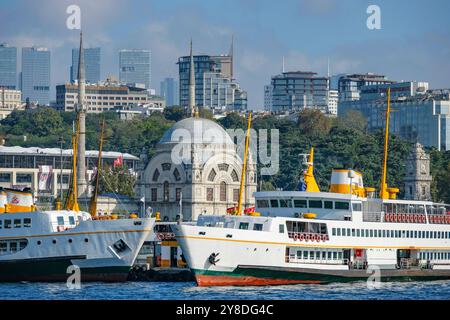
{"x":176,"y":174}
{"x":212,"y":175}
{"x":154,"y":194}
{"x":223,"y":167}
{"x":223,"y":191}
{"x":178,"y":194}
{"x":166,"y":191}
{"x":234,"y":176}
{"x":235,"y":195}
{"x":156,"y":175}
{"x":209,"y":194}
{"x":166,"y":166}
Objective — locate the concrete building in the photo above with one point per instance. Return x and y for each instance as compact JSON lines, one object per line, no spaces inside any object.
{"x":333,"y":100}
{"x":169,"y":90}
{"x":268,"y":98}
{"x":8,"y":67}
{"x":418,"y":115}
{"x":92,"y":63}
{"x":213,"y":77}
{"x":349,"y":86}
{"x":297,"y":90}
{"x":104,"y":96}
{"x":24,"y":167}
{"x":130,"y":112}
{"x":35,"y":76}
{"x":10,"y":100}
{"x":135,"y":67}
{"x":418,"y":179}
{"x":206,"y":178}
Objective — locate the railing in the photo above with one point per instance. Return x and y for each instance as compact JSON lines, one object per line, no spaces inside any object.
{"x":373,"y":216}
{"x":294,"y":259}
{"x":308,"y":236}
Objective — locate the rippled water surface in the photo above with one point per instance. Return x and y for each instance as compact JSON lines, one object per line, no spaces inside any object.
{"x":188,"y":291}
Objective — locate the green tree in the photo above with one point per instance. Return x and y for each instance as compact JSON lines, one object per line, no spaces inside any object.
{"x":117,"y":180}
{"x":175,"y":113}
{"x":313,"y":122}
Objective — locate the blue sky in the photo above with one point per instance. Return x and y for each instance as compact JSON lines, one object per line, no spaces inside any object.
{"x":413,"y":43}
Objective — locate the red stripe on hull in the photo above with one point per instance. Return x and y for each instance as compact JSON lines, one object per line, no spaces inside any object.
{"x":209,"y":280}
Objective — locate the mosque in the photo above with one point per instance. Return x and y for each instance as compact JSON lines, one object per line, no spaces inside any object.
{"x":195,"y":169}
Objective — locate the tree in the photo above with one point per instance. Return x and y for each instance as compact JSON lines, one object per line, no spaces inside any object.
{"x":233,"y":120}
{"x":354,"y":119}
{"x":313,"y":122}
{"x":175,"y":113}
{"x":117,"y":180}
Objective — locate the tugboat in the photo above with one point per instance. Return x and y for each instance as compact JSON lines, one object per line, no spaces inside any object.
{"x":311,"y":236}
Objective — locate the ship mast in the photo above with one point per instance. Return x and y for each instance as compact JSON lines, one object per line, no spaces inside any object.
{"x":384,"y":194}
{"x":244,"y":165}
{"x":93,"y":203}
{"x":72,"y":197}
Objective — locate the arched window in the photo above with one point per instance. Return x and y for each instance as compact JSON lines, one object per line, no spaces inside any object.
{"x":223,"y":191}
{"x":176,"y":174}
{"x":155,"y":175}
{"x":212,"y":175}
{"x":166,"y":191}
{"x":234,"y":176}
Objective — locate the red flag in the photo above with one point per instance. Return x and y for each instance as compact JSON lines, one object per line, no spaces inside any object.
{"x":118,"y":162}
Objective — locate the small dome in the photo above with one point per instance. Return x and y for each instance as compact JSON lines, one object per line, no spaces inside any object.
{"x":196,"y":130}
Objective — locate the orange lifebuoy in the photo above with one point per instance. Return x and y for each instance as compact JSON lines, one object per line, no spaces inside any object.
{"x":422,"y":218}
{"x":307,"y":237}
{"x":302,"y":237}
{"x":416,"y":218}
{"x":295,"y":236}
{"x":431,"y":218}
{"x":317,"y":237}
{"x":387,"y":218}
{"x":395,"y":218}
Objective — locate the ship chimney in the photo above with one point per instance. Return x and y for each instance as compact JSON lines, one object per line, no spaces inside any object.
{"x":81,"y":110}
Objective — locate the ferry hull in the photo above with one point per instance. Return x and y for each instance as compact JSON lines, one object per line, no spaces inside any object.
{"x":56,"y":270}
{"x":262,"y":276}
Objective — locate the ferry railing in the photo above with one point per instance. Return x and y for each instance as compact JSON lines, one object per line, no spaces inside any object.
{"x":294,"y":259}
{"x":373,"y":216}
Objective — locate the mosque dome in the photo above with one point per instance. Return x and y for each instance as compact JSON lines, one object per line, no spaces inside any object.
{"x":198,"y":131}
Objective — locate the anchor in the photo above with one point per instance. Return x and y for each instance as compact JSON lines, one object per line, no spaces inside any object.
{"x":212,"y":258}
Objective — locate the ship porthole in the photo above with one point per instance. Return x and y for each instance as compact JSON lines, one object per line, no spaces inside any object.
{"x":54,"y":241}
{"x":39,"y":243}
{"x":70,"y":240}
{"x":86,"y":240}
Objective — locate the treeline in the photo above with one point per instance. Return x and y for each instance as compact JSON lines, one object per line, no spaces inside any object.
{"x":338,"y":142}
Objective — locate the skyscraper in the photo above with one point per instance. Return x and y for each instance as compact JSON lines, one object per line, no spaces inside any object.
{"x":169,"y":90}
{"x":135,"y":67}
{"x":35,"y":80}
{"x":92,"y":65}
{"x":8,"y":66}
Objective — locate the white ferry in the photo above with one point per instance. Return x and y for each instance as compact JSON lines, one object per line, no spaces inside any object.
{"x":41,"y":245}
{"x":319,"y":237}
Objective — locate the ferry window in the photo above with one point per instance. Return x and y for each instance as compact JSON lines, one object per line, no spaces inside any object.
{"x":334,"y":255}
{"x":274,"y":203}
{"x":333,"y":231}
{"x":311,"y":255}
{"x":343,"y":232}
{"x":13,"y":246}
{"x":340,"y":205}
{"x":375,"y":233}
{"x":323,"y":228}
{"x":7,"y":224}
{"x":60,"y":221}
{"x":415,"y":234}
{"x":299,"y":254}
{"x":358,"y":232}
{"x":243,"y":226}
{"x":367,"y":233}
{"x":356,"y":206}
{"x":315,"y":203}
{"x":328,"y":204}
{"x":22,"y":245}
{"x":299,"y":203}
{"x":324,"y":255}
{"x":285,"y":203}
{"x":17,"y":223}
{"x":434,"y":235}
{"x":348,"y":232}
{"x":305,"y":254}
{"x":329,"y":255}
{"x":27,"y":222}
{"x":353,"y":232}
{"x":262,"y":203}
{"x":3,"y":247}
{"x":371,"y":233}
{"x":428,"y":234}
{"x":317,"y":255}
{"x":258,"y":226}
{"x":71,"y":220}
{"x":1,"y":224}
{"x":314,"y":227}
{"x":340,"y":255}
{"x":338,"y":231}
{"x":281,"y":228}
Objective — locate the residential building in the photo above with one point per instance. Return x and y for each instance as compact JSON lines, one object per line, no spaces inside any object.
{"x":296,"y":90}
{"x":103,"y":96}
{"x":35,"y":77}
{"x":8,"y":67}
{"x":349,"y":86}
{"x":333,"y":99}
{"x":129,"y":112}
{"x":10,"y":100}
{"x":91,"y":64}
{"x":169,"y":90}
{"x":222,"y":93}
{"x":418,"y":115}
{"x":135,"y":67}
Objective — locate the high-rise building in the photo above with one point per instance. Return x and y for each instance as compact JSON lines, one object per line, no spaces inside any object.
{"x":92,"y":65}
{"x":35,"y":78}
{"x":333,"y":99}
{"x":268,"y":98}
{"x":419,"y":114}
{"x":220,"y":65}
{"x":169,"y":90}
{"x":135,"y":67}
{"x":293,"y":91}
{"x":349,"y":86}
{"x":8,"y":67}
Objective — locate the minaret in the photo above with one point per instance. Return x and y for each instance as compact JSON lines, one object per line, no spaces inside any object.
{"x":231,"y":54}
{"x":81,"y":110}
{"x":191,"y":84}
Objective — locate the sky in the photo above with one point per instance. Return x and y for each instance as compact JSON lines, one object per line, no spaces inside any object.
{"x":412,"y":44}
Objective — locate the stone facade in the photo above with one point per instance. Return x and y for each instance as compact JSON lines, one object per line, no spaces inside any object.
{"x":418,"y":178}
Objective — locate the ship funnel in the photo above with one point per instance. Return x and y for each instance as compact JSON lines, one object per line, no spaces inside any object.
{"x":347,"y":181}
{"x":19,"y":201}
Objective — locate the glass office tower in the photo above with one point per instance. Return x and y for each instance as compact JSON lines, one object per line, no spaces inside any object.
{"x":135,"y":67}
{"x":91,"y":63}
{"x":8,"y":66}
{"x":35,"y":80}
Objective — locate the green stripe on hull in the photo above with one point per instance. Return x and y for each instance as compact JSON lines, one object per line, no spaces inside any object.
{"x":55,"y":269}
{"x":319,"y":277}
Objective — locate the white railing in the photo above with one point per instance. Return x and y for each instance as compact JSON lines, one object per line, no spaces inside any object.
{"x":294,"y":259}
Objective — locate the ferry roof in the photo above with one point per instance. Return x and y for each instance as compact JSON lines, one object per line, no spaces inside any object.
{"x":57,"y":152}
{"x":304,"y":194}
